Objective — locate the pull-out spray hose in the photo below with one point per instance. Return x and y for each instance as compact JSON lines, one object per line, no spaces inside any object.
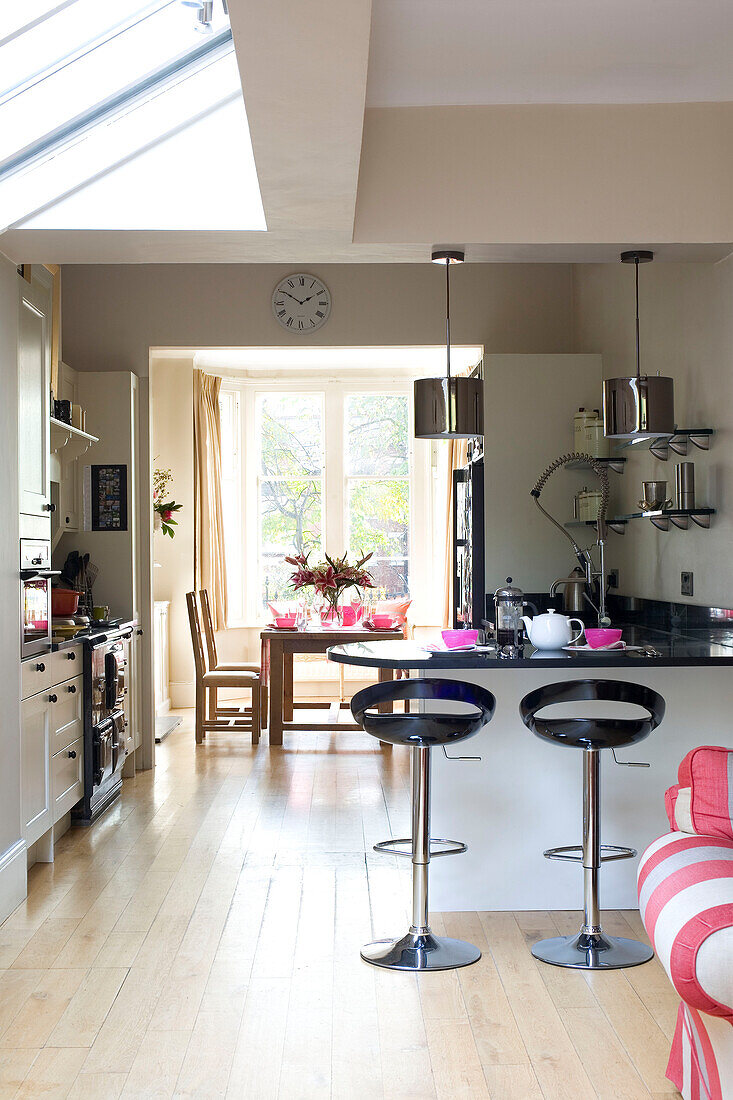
{"x":582,"y":555}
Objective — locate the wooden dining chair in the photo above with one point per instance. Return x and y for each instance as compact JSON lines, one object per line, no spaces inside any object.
{"x":215,"y":665}
{"x":209,"y":715}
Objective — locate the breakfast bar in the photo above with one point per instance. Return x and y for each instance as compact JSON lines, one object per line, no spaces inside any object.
{"x":523,"y":796}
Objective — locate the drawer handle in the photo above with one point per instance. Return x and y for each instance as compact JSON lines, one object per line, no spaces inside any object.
{"x":40,"y":667}
{"x":70,"y":656}
{"x":72,"y":754}
{"x":71,"y":689}
{"x":53,"y":698}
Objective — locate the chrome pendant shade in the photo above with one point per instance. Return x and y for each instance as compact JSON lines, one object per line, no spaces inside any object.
{"x":641,"y":406}
{"x":448,"y":407}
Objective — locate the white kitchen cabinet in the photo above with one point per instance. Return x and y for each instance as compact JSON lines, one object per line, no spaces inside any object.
{"x":160,"y":656}
{"x":67,"y":714}
{"x":34,"y":380}
{"x":35,"y":760}
{"x":67,"y":778}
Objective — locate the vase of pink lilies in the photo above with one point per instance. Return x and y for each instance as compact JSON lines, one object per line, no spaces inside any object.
{"x":330,"y":578}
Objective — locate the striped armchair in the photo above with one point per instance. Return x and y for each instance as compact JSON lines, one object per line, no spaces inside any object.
{"x":686,"y":902}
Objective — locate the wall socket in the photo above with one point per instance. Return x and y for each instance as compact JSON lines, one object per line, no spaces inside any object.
{"x":612,"y":579}
{"x":686,"y":586}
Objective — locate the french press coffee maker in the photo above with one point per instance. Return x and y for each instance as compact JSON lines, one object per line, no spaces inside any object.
{"x":509,"y":605}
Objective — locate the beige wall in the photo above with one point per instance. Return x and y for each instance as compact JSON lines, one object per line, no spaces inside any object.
{"x":114,"y":314}
{"x":547,"y":174}
{"x":686,"y":332}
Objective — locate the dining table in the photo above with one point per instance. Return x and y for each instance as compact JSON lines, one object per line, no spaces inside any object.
{"x":279,"y":646}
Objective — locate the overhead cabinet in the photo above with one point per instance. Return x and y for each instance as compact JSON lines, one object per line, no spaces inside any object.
{"x":34,"y":381}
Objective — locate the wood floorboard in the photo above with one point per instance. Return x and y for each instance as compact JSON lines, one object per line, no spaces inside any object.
{"x":202,"y":941}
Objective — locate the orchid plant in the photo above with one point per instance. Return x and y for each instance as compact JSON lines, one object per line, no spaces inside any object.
{"x":166,"y":509}
{"x":330,"y":577}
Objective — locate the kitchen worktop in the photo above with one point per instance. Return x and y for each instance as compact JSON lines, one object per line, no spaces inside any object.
{"x":92,"y":633}
{"x":706,"y":646}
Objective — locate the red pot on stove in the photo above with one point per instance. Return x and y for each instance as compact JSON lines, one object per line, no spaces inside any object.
{"x":64,"y":602}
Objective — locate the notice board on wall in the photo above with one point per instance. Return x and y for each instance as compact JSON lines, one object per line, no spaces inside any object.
{"x":105,"y":497}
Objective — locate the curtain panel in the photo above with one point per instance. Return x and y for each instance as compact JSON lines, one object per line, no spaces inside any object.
{"x":209,"y":553}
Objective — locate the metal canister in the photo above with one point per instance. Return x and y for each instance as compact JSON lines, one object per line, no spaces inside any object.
{"x":684,"y":480}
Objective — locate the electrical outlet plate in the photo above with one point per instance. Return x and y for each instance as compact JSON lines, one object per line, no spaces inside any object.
{"x":613,"y":578}
{"x":686,"y":583}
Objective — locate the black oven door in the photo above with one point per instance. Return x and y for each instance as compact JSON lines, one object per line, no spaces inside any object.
{"x":103,"y":743}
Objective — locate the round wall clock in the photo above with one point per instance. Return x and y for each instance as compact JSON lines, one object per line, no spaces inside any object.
{"x":301,"y":303}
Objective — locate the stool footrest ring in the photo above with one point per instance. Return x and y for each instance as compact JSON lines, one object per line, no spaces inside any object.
{"x":403,"y":847}
{"x":609,"y":852}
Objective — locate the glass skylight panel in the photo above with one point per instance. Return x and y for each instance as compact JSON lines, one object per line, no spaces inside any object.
{"x":86,"y":86}
{"x":108,"y":145}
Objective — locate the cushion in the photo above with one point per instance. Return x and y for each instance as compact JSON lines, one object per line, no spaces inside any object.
{"x":708,"y":773}
{"x":677,"y":802}
{"x":686,"y":903}
{"x":396,"y":608}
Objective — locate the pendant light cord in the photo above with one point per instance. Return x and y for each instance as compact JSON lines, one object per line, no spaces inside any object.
{"x":638,"y":352}
{"x":447,"y":317}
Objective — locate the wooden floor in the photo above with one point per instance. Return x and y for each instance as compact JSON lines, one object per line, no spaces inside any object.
{"x":202,"y":940}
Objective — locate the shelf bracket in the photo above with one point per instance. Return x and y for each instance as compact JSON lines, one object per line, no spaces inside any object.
{"x":683,"y":522}
{"x":702,"y":442}
{"x":617,"y":528}
{"x":660,"y":449}
{"x":662,"y":522}
{"x":701,"y":521}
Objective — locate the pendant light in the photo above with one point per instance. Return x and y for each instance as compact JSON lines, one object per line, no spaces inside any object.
{"x":643,"y":406}
{"x":449,"y":407}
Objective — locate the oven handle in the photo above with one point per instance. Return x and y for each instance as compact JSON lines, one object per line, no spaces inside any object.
{"x":33,"y":574}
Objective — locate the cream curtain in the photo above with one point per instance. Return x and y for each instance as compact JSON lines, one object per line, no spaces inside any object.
{"x":209,"y":555}
{"x":457,"y":457}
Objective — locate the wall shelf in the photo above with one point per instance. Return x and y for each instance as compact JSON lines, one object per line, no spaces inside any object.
{"x":678,"y":441}
{"x":68,"y":442}
{"x":617,"y":524}
{"x":679,"y":517}
{"x":615,"y":463}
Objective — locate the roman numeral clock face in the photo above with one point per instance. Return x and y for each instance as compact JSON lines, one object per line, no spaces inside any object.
{"x":301,"y":303}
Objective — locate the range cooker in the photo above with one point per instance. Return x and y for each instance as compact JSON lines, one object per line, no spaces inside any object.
{"x":105,"y":688}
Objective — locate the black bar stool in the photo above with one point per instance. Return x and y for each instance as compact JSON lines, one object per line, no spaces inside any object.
{"x":591,"y":948}
{"x":420,"y":949}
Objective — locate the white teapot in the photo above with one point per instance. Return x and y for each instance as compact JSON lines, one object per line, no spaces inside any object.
{"x":551,"y":631}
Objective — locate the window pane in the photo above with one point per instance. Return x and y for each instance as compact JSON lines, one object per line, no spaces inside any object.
{"x":291,"y":435}
{"x":290,"y":522}
{"x":376,"y":434}
{"x":378,"y":517}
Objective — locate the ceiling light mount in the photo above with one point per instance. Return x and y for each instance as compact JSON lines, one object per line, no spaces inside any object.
{"x":449,"y":407}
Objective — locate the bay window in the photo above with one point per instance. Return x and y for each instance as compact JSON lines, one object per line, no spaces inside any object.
{"x":323,"y":466}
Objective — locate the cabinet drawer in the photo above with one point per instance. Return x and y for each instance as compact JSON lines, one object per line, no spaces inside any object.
{"x":34,"y":767}
{"x":66,"y":663}
{"x":67,"y":778}
{"x":36,"y":674}
{"x":67,"y":713}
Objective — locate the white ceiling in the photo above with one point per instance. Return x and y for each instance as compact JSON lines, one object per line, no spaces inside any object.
{"x":304,"y":76}
{"x":470,"y":52}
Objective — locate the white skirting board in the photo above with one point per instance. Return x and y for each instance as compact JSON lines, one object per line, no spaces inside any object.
{"x":13,"y":878}
{"x":164,"y":725}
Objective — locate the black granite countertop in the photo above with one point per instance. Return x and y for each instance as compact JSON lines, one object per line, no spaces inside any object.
{"x":706,"y":646}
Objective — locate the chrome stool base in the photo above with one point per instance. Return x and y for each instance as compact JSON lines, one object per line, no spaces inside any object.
{"x":402,"y":846}
{"x":592,"y":951}
{"x":420,"y":952}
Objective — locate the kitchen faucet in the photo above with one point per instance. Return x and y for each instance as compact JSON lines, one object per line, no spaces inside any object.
{"x":583,"y":555}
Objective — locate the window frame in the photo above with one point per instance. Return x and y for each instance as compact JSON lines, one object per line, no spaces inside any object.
{"x":335,"y":482}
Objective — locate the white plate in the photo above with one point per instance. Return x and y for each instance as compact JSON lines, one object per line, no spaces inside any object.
{"x":617,"y":647}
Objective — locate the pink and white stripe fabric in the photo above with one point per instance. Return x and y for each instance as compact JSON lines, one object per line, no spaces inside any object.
{"x":708,"y":772}
{"x":686,"y":902}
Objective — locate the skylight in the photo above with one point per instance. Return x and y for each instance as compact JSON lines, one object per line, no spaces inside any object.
{"x":159,"y":86}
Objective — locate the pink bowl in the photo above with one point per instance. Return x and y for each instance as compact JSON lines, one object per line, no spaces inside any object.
{"x":285,"y":620}
{"x":383,"y":622}
{"x":453,"y":638}
{"x":602,"y":635}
